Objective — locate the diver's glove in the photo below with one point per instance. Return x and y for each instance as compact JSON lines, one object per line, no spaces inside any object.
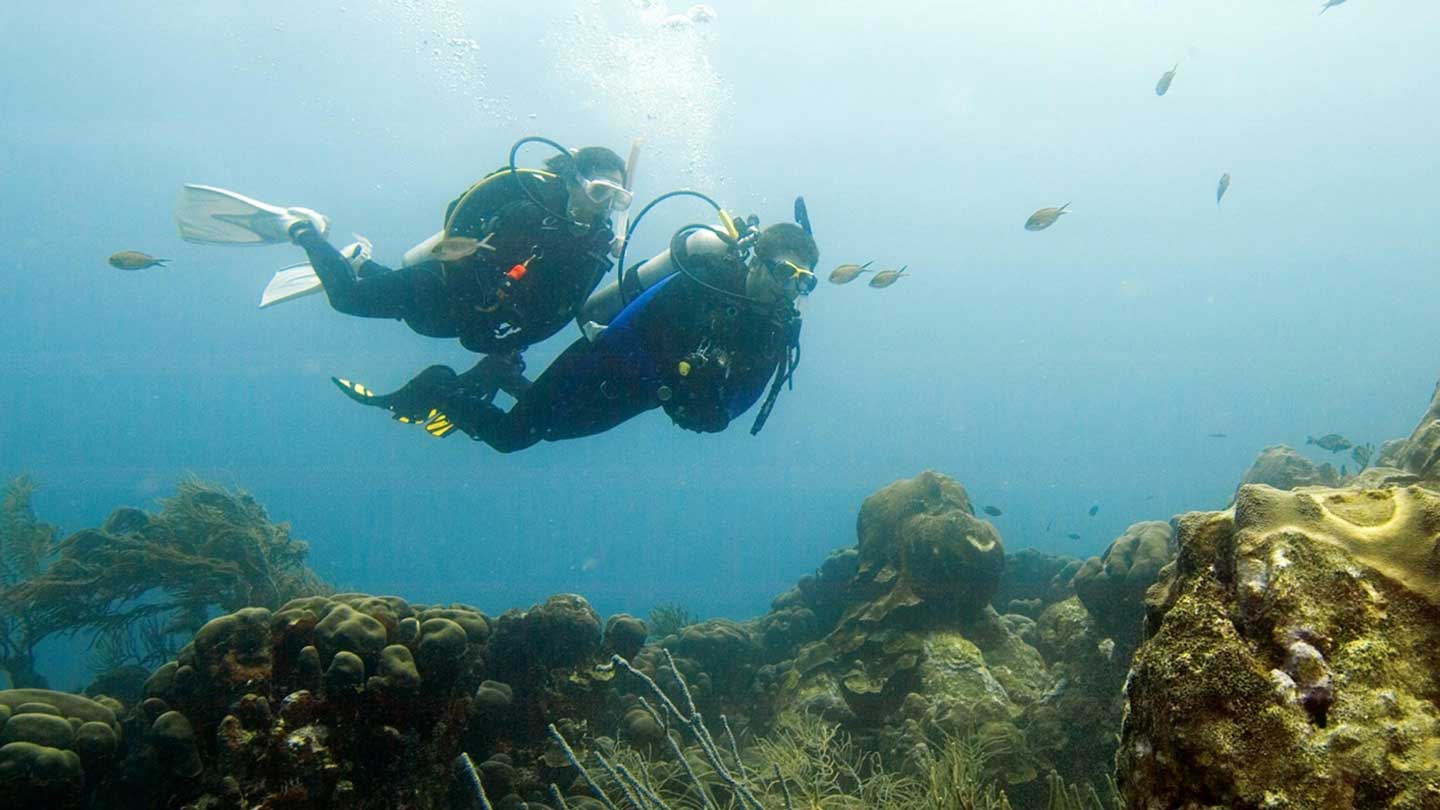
{"x":418,"y":401}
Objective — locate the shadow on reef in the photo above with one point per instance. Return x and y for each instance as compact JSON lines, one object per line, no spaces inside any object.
{"x":1280,"y":654}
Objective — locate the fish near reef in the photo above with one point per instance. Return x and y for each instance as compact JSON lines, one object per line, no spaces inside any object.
{"x":885,"y":278}
{"x":135,"y":260}
{"x":992,"y":511}
{"x":1094,"y":510}
{"x":1073,"y":536}
{"x":1044,"y":218}
{"x":1333,"y":442}
{"x":846,"y":273}
{"x":1223,"y":187}
{"x":1163,"y":86}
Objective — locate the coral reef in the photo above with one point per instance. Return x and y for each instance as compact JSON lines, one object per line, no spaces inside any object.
{"x":1292,"y":658}
{"x":347,"y":700}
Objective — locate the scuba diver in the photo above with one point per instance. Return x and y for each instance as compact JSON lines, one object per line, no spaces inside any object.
{"x":519,"y":253}
{"x":697,"y":330}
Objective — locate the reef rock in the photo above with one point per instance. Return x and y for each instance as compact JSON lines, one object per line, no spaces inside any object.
{"x":1293,"y":656}
{"x":1280,"y":466}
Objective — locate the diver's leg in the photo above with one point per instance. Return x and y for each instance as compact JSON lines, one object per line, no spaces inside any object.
{"x":378,"y":293}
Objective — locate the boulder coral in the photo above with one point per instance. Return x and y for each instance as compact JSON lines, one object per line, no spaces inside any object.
{"x":348,"y":700}
{"x":1112,"y":586}
{"x":1292,"y":658}
{"x":49,"y":743}
{"x":921,"y":547}
{"x":1282,"y":467}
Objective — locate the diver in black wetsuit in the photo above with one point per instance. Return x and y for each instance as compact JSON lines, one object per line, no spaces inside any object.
{"x":701,"y":344}
{"x":543,"y":247}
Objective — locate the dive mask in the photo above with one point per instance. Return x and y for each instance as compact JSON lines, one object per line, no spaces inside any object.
{"x":607,"y":193}
{"x":797,"y":276}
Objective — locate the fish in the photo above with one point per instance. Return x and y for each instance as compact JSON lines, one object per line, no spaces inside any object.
{"x":1329,"y":4}
{"x":1073,"y":536}
{"x":1163,"y":86}
{"x":1149,"y":497}
{"x":455,"y":248}
{"x":992,"y":511}
{"x":1217,"y":435}
{"x":885,"y":278}
{"x":1333,"y":442}
{"x":846,"y":273}
{"x":1094,"y":510}
{"x":1048,"y":524}
{"x":1044,"y":218}
{"x":135,"y":260}
{"x":1222,"y":188}
{"x":1361,"y":454}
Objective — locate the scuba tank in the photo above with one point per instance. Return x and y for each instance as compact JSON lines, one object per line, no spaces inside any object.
{"x":606,"y":302}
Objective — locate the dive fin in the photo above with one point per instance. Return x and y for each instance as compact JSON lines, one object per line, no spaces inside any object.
{"x":208,"y":215}
{"x":295,"y":281}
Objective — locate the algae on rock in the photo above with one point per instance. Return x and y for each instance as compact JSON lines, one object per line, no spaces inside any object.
{"x":1292,"y":658}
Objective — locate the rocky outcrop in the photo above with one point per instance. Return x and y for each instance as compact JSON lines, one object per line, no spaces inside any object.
{"x":1293,"y":657}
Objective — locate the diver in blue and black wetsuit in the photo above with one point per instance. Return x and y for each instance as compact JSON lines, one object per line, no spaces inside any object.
{"x":701,"y":344}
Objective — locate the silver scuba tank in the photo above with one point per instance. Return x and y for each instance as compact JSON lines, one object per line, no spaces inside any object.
{"x":606,"y":302}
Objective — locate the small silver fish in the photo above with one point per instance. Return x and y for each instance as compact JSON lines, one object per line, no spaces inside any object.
{"x":846,"y":273}
{"x":1329,"y":4}
{"x":885,"y":278}
{"x":1222,"y":188}
{"x":135,"y":260}
{"x":455,"y":248}
{"x":1163,"y":86}
{"x":1044,"y":218}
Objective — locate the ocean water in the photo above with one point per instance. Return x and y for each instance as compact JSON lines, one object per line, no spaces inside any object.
{"x":1048,"y":372}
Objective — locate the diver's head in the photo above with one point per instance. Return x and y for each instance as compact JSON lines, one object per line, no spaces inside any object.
{"x":783,"y":266}
{"x":595,"y":181}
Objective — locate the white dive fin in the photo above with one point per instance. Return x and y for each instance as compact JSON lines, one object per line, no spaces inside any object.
{"x":299,"y":280}
{"x":208,"y":215}
{"x":295,"y":281}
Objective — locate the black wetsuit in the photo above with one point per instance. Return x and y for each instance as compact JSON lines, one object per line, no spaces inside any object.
{"x":481,"y":299}
{"x":729,"y":350}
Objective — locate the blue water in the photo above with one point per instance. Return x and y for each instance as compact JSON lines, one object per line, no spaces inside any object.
{"x":1045,"y":371}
